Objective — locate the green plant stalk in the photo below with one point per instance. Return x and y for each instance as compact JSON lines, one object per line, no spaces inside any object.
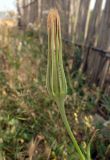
{"x":60,"y":103}
{"x":56,"y":81}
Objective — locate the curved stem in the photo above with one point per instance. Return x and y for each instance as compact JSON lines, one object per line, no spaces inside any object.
{"x":60,"y":103}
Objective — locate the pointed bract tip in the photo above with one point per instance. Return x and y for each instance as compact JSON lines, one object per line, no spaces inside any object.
{"x":53,"y":17}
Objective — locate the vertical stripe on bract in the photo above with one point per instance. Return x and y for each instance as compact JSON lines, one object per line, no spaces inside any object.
{"x":57,"y":55}
{"x":62,"y":79}
{"x":54,"y":67}
{"x":48,"y":78}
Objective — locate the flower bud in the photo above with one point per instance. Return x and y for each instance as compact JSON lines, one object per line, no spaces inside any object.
{"x":56,"y":81}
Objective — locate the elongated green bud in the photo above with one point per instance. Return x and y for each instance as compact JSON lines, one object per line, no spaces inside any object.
{"x":56,"y":81}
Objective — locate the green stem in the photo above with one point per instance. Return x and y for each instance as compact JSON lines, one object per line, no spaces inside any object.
{"x":60,"y":103}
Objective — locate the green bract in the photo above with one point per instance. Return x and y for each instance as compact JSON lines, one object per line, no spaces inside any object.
{"x":56,"y":81}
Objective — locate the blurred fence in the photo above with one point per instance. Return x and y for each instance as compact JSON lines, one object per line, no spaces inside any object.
{"x":85,"y":23}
